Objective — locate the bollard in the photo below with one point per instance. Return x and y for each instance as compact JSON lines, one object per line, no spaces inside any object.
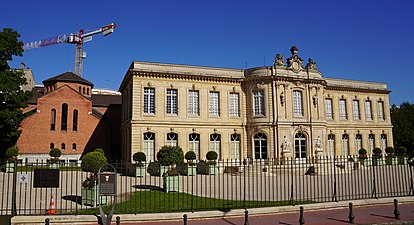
{"x":246,"y":217}
{"x":185,"y":219}
{"x":351,"y":216}
{"x":118,"y":220}
{"x":301,"y":219}
{"x":47,"y":221}
{"x":396,"y":211}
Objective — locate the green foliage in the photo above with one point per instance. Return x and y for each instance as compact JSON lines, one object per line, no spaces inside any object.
{"x":402,"y":118}
{"x":55,"y":152}
{"x":362,"y":151}
{"x":401,"y":151}
{"x":170,"y":155}
{"x":190,"y":155}
{"x":12,"y":153}
{"x":390,"y":150}
{"x":377,"y":151}
{"x":211,"y":155}
{"x":100,"y":150}
{"x":12,"y":98}
{"x":92,"y":161}
{"x":139,"y":157}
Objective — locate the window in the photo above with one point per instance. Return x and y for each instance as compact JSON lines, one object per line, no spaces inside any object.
{"x":297,"y":103}
{"x":234,"y":104}
{"x":358,"y":142}
{"x":328,"y":108}
{"x":172,"y":139}
{"x":172,"y":102}
{"x":64,"y":121}
{"x":53,"y":121}
{"x":193,"y":107}
{"x":194,"y":144}
{"x":63,"y":147}
{"x":215,"y":140}
{"x":149,"y":145}
{"x":214,"y":103}
{"x":74,"y":146}
{"x":235,"y":146}
{"x":260,"y":146}
{"x":75,"y":120}
{"x":342,"y":109}
{"x":300,"y":146}
{"x":371,"y":143}
{"x":368,"y":110}
{"x":383,"y":142}
{"x":355,"y":107}
{"x":345,"y":144}
{"x":149,"y":100}
{"x":381,"y":111}
{"x":331,"y":144}
{"x":52,"y":145}
{"x":258,"y":103}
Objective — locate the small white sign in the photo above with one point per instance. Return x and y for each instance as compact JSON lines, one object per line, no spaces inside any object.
{"x":23,"y":178}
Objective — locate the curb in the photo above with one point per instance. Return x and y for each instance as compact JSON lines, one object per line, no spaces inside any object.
{"x":132,"y":218}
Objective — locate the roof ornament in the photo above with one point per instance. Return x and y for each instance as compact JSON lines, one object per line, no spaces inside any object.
{"x":295,"y":62}
{"x":279,"y":61}
{"x":311,"y":64}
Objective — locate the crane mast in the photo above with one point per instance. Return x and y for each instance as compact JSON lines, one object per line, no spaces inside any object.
{"x":77,"y":38}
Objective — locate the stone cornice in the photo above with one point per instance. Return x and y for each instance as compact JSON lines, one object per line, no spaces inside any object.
{"x":186,"y":77}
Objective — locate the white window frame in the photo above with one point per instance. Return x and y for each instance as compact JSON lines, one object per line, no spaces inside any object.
{"x":345,"y":144}
{"x":368,"y":110}
{"x":234,"y":104}
{"x":328,"y":108}
{"x":149,"y":101}
{"x":194,"y":144}
{"x":355,"y":107}
{"x":381,"y":116}
{"x":193,"y":103}
{"x":297,"y":103}
{"x":214,"y":108}
{"x":172,"y":139}
{"x":235,"y":146}
{"x":371,"y":143}
{"x":342,"y":109}
{"x":215,"y":143}
{"x":331,"y":145}
{"x":358,"y":142}
{"x":258,"y":103}
{"x":149,"y":145}
{"x":172,"y":102}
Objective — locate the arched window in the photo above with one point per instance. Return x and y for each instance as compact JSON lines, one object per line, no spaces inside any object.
{"x":149,"y":146}
{"x":80,"y":89}
{"x":345,"y":144}
{"x":64,"y":122}
{"x":235,"y":146}
{"x":300,"y":146}
{"x":83,"y":90}
{"x":75,"y":120}
{"x":87,"y":91}
{"x":297,"y":103}
{"x":358,"y":142}
{"x":52,"y":145}
{"x":331,"y":145}
{"x":215,"y":142}
{"x":194,"y":143}
{"x":172,"y":139}
{"x":63,"y":146}
{"x":74,"y":146}
{"x":53,"y":120}
{"x":371,"y":143}
{"x":383,"y":142}
{"x":260,"y":146}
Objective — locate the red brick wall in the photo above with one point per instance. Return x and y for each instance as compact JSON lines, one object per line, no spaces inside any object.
{"x":36,"y":134}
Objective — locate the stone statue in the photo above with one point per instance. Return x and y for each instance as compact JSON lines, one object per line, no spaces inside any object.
{"x":318,"y":146}
{"x":285,"y":145}
{"x":279,"y":61}
{"x":311,"y":64}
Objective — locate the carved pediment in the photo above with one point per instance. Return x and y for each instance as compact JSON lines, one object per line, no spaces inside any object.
{"x":295,"y":62}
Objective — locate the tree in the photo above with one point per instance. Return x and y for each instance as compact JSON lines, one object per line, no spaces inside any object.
{"x":402,"y":118}
{"x":12,"y":98}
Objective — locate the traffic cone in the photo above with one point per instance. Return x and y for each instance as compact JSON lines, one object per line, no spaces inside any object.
{"x":52,"y":209}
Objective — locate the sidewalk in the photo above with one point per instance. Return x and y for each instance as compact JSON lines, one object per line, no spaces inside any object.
{"x":366,"y":211}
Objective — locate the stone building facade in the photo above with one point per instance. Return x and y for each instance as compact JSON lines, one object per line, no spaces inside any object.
{"x":65,"y":114}
{"x":287,"y":110}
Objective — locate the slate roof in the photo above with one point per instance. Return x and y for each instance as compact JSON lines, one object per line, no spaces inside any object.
{"x":67,"y":77}
{"x":106,"y":100}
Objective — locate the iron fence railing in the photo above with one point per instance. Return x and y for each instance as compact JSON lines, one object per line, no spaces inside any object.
{"x":226,"y":185}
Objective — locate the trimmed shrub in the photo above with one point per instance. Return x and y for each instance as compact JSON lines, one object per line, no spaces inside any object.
{"x":377,"y":152}
{"x":139,"y":157}
{"x":362,"y":151}
{"x":170,"y":155}
{"x":100,"y":150}
{"x":211,"y":155}
{"x":55,"y":153}
{"x":390,"y":151}
{"x":12,"y":153}
{"x":93,"y":161}
{"x":401,"y":151}
{"x":190,"y":155}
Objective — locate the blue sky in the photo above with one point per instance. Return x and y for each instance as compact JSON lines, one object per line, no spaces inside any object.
{"x":353,"y":39}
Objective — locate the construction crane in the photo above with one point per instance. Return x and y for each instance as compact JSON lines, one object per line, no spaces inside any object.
{"x":77,"y":38}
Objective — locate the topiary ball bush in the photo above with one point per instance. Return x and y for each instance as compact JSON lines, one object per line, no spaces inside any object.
{"x":362,"y":151}
{"x":211,"y":155}
{"x":12,"y":152}
{"x":139,"y":157}
{"x":190,"y":155}
{"x":55,"y":153}
{"x":390,"y":150}
{"x":93,"y":161}
{"x":170,"y":155}
{"x":100,"y":150}
{"x":401,"y":151}
{"x":377,"y":151}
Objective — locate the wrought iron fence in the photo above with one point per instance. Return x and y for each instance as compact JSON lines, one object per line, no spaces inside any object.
{"x":223,"y":186}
